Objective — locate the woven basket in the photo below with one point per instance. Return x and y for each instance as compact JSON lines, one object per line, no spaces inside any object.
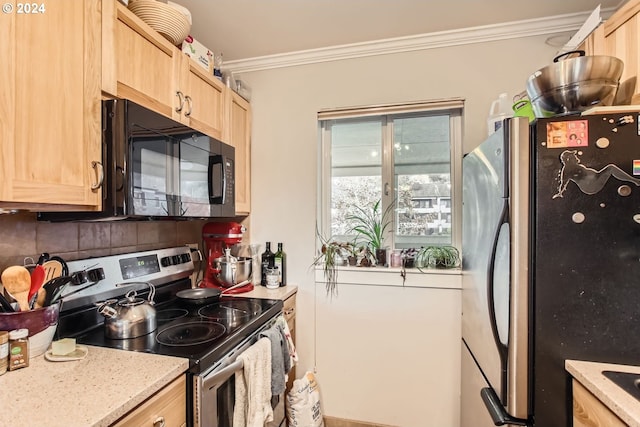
{"x":169,"y":22}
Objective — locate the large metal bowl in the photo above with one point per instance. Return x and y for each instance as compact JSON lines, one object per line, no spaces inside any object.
{"x":574,"y":84}
{"x":232,"y":272}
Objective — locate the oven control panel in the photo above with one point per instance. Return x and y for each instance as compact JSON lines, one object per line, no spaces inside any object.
{"x":157,"y":267}
{"x":140,"y":266}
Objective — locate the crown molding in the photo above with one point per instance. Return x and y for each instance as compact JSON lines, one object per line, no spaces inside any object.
{"x":486,"y":33}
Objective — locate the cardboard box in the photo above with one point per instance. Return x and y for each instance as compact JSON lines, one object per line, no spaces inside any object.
{"x":198,"y":52}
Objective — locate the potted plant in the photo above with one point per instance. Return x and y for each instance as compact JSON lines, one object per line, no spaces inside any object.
{"x":332,"y":253}
{"x":371,"y":225}
{"x":437,"y":257}
{"x":365,"y":257}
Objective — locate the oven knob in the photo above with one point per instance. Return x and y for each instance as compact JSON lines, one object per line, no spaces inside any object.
{"x":185,"y":257}
{"x":175,"y":260}
{"x":166,"y":261}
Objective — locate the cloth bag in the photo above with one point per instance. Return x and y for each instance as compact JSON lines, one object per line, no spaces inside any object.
{"x":303,"y":403}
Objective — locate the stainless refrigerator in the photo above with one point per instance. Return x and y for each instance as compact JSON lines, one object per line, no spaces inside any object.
{"x":551,"y":263}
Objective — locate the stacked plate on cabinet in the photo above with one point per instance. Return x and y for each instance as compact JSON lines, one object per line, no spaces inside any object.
{"x":172,"y":21}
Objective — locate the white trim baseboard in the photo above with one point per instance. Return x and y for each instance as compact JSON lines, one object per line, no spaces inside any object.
{"x":486,"y":33}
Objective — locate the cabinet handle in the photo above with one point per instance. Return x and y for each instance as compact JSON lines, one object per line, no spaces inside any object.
{"x":190,"y":102}
{"x":289,"y":311}
{"x":98,"y":184}
{"x":180,"y":96}
{"x":159,"y":422}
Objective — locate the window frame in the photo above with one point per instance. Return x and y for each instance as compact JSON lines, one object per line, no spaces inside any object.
{"x":387,"y":113}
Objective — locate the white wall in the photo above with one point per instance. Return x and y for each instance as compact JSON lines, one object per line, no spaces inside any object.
{"x":285,"y":133}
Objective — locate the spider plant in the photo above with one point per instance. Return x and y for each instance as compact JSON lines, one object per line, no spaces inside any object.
{"x":330,"y":252}
{"x":437,"y":257}
{"x":370,"y":224}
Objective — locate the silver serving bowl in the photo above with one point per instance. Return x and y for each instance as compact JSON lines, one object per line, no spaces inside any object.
{"x":574,"y":84}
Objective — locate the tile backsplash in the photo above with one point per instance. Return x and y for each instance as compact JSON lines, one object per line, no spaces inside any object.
{"x":21,"y":235}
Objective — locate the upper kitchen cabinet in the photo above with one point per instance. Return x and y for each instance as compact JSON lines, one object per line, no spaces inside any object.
{"x":204,"y":98}
{"x":237,"y":132}
{"x":141,"y":65}
{"x":621,"y":35}
{"x":50,"y":135}
{"x":618,"y":37}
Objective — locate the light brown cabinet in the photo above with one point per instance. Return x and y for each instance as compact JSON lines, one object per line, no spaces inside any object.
{"x":588,"y":411}
{"x":142,"y":66}
{"x":237,"y":132}
{"x":618,"y":37}
{"x":166,"y":408}
{"x":50,"y":134}
{"x":289,"y":312}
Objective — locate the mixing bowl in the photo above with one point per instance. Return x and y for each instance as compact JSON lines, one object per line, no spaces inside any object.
{"x":41,"y":323}
{"x":574,"y":84}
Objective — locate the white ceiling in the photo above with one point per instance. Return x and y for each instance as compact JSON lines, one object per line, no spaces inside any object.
{"x":243,"y":29}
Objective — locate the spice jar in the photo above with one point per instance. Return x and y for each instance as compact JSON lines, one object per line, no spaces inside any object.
{"x":18,"y":349}
{"x":273,"y":278}
{"x":4,"y":351}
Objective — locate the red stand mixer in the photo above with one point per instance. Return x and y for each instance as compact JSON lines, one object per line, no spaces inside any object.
{"x":223,"y":270}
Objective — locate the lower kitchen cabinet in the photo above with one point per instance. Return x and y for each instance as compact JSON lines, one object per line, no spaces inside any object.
{"x":166,"y":408}
{"x":289,"y":312}
{"x":589,"y":411}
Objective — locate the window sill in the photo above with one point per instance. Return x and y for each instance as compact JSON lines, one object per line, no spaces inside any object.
{"x":382,"y":276}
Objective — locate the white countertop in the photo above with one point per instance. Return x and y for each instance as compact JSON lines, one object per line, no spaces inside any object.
{"x":621,"y":403}
{"x":263,"y":292}
{"x":94,"y":391}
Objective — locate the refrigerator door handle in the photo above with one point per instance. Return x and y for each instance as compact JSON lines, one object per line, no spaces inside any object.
{"x":502,"y":349}
{"x":498,"y":414}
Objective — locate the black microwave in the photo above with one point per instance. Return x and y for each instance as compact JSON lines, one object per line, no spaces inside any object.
{"x":155,"y":167}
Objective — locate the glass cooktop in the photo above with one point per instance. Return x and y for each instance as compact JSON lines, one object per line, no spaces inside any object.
{"x":202,"y":334}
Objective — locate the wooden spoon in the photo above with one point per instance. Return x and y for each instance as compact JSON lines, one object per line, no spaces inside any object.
{"x":17,"y":281}
{"x":52,"y":269}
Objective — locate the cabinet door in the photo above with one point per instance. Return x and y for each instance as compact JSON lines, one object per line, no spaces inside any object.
{"x":588,"y":411}
{"x":50,"y":140}
{"x":622,"y":32}
{"x":238,"y":133}
{"x":289,"y":312}
{"x":138,"y":63}
{"x":204,"y":105}
{"x":167,"y":408}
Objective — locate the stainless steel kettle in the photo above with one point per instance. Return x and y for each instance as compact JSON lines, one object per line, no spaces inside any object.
{"x":130,"y":317}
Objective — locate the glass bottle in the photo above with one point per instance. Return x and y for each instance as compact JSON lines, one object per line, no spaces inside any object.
{"x":280,"y":261}
{"x":267,"y":262}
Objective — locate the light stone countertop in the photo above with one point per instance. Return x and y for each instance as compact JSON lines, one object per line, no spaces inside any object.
{"x":94,"y":391}
{"x":263,"y":292}
{"x":621,"y":403}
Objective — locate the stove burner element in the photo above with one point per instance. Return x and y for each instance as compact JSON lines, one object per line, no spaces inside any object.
{"x":230,"y":312}
{"x":171,"y":314}
{"x":190,"y":333}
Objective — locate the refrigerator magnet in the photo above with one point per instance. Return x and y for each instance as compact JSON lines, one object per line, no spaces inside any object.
{"x":573,"y":133}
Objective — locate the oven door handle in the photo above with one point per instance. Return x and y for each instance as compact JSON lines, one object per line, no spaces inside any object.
{"x":222,"y":375}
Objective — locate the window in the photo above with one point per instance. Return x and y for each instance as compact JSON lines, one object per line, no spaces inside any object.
{"x":407,"y":156}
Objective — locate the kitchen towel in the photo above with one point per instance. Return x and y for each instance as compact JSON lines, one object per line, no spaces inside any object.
{"x":253,"y":387}
{"x":293,"y":355}
{"x":279,"y":352}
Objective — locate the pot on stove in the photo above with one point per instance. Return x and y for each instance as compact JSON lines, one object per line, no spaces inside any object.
{"x":130,"y":317}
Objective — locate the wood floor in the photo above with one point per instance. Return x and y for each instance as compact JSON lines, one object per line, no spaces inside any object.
{"x":339,"y":422}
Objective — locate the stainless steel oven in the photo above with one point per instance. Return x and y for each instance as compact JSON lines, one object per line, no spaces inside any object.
{"x":211,"y":336}
{"x":214,"y":391}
